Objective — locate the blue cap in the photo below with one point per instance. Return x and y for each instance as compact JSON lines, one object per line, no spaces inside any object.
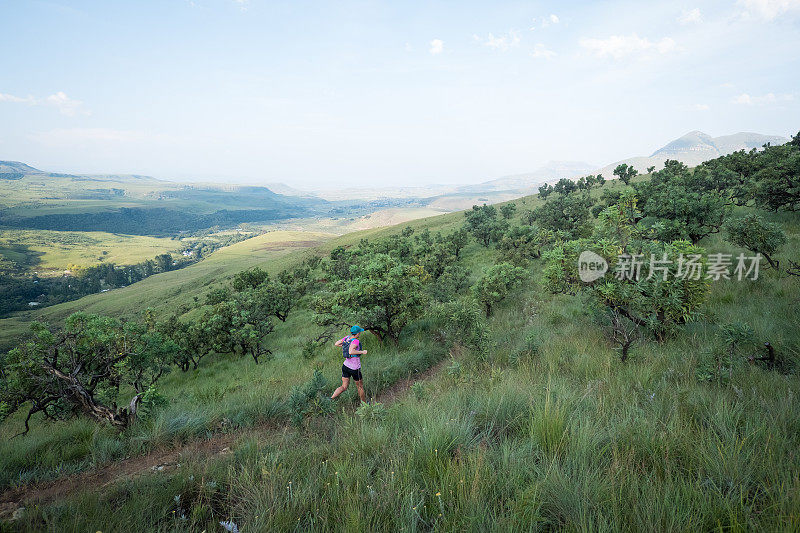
{"x":356,"y":330}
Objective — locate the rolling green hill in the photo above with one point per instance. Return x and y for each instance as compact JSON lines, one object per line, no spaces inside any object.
{"x":522,"y":417}
{"x":140,"y":205}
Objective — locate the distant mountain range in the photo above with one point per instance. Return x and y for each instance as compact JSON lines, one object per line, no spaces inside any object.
{"x":696,"y":147}
{"x":14,"y":170}
{"x":552,"y":170}
{"x":692,"y":149}
{"x":515,"y":184}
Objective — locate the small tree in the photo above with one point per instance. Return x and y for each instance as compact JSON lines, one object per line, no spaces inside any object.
{"x":191,"y":340}
{"x":164,"y":262}
{"x":775,"y":182}
{"x":251,"y":312}
{"x":82,"y":369}
{"x":381,"y":293}
{"x":520,"y":244}
{"x":438,"y":258}
{"x":453,"y":280}
{"x":277,"y":299}
{"x":482,"y":222}
{"x":621,"y":331}
{"x":496,"y":284}
{"x":587,"y":183}
{"x":756,"y":234}
{"x":658,"y":300}
{"x":568,"y":214}
{"x":682,"y":203}
{"x":508,"y":210}
{"x":529,"y":216}
{"x":249,"y":279}
{"x":566,"y":186}
{"x":625,"y":173}
{"x":455,"y":242}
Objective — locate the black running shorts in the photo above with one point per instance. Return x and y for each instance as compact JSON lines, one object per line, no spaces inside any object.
{"x":350,"y":373}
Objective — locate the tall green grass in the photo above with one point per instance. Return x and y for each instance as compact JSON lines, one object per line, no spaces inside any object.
{"x":546,"y":429}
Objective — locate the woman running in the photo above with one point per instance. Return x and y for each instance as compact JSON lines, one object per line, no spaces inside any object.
{"x":351,"y":350}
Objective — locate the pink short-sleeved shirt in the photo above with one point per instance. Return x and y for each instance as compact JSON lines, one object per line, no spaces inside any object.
{"x":353,"y":363}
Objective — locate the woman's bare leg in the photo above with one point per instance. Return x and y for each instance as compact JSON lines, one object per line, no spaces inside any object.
{"x":361,"y":393}
{"x":342,"y":388}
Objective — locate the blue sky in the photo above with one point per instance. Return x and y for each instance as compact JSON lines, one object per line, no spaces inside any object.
{"x":346,"y":93}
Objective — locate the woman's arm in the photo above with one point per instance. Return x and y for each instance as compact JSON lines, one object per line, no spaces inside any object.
{"x":354,"y":351}
{"x":339,"y":342}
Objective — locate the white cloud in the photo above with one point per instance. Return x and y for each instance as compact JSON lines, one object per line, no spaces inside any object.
{"x":691,"y":17}
{"x":66,"y":105}
{"x":766,"y":99}
{"x":767,"y":10}
{"x":540,"y":50}
{"x":409,"y":48}
{"x":437,"y":46}
{"x":243,"y":4}
{"x":701,"y":107}
{"x":17,"y":99}
{"x":545,"y":21}
{"x":619,"y":46}
{"x":503,"y":42}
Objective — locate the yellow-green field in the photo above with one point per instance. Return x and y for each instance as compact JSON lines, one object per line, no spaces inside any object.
{"x":42,"y":250}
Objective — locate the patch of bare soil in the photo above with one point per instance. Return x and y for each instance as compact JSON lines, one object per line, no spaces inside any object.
{"x":97,"y":478}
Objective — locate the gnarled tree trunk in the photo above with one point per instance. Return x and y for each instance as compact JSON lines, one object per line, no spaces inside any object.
{"x":82,"y":398}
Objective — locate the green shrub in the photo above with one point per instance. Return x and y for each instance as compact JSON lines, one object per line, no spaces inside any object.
{"x":310,"y":399}
{"x":372,"y":412}
{"x":455,"y":369}
{"x":757,"y":235}
{"x":419,"y":390}
{"x":462,"y":322}
{"x":530,"y":347}
{"x":151,"y":401}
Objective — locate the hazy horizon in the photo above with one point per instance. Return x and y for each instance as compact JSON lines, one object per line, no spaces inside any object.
{"x":322,"y":96}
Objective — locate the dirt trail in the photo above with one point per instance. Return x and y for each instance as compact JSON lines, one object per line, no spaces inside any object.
{"x":164,"y":459}
{"x":401,"y":388}
{"x":97,"y":478}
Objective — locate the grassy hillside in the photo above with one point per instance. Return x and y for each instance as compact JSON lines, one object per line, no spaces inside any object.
{"x":140,"y":205}
{"x":39,"y":193}
{"x":541,"y":427}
